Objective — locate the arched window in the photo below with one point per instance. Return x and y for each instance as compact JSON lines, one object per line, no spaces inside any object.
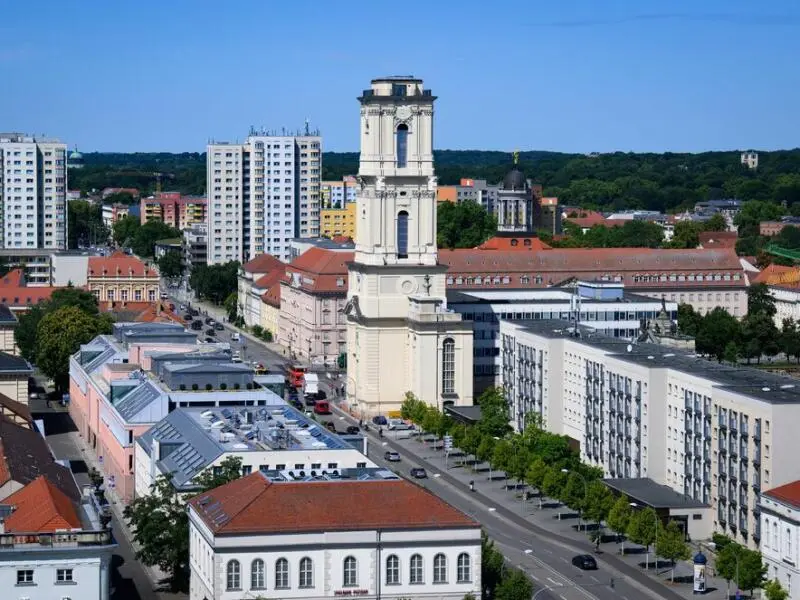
{"x":350,"y":573}
{"x":440,"y":568}
{"x":402,"y":145}
{"x":281,"y":574}
{"x":234,"y":575}
{"x":402,"y":234}
{"x":449,"y":366}
{"x":257,"y":580}
{"x":464,"y":574}
{"x":306,"y":573}
{"x":416,"y":574}
{"x":392,"y":570}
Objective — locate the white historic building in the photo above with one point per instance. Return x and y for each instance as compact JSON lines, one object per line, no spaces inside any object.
{"x":779,"y":544}
{"x":400,"y":334}
{"x":645,"y":410}
{"x":260,"y":538}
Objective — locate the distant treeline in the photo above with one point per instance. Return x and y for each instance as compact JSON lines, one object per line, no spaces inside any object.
{"x":616,"y":181}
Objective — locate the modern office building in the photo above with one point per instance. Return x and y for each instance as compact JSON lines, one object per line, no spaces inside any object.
{"x":716,"y":433}
{"x":605,"y":306}
{"x":190,"y":441}
{"x":261,"y":194}
{"x":401,"y":336}
{"x":33,"y":192}
{"x":370,"y":535}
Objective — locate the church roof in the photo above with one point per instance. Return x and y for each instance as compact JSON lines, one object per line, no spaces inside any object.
{"x":515,"y":181}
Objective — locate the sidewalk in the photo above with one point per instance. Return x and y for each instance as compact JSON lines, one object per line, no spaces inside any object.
{"x":547,"y":518}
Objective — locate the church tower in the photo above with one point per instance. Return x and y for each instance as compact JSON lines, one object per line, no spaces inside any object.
{"x":398,"y":325}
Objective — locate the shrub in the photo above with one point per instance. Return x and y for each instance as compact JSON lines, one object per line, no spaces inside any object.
{"x":223,"y":386}
{"x":195,"y":387}
{"x":182,"y":387}
{"x":236,"y":386}
{"x":258,"y":330}
{"x":209,"y":387}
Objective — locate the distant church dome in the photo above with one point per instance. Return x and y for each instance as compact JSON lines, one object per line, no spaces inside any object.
{"x":515,"y":181}
{"x":75,"y":155}
{"x":75,"y":160}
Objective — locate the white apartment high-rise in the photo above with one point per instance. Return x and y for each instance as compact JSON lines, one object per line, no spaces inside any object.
{"x":33,"y":192}
{"x":261,"y":194}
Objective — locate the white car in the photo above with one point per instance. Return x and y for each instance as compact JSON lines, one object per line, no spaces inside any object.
{"x":398,"y":425}
{"x":235,"y":337}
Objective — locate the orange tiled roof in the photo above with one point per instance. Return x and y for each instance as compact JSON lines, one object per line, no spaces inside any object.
{"x":263,"y":263}
{"x":325,"y":269}
{"x":120,"y":264}
{"x":273,"y":295}
{"x":514,"y":243}
{"x":42,"y":508}
{"x":249,"y":503}
{"x":788,"y":493}
{"x":16,"y":294}
{"x":774,"y":274}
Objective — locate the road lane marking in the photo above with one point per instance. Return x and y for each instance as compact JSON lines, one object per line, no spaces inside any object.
{"x":493,"y":509}
{"x":554,"y":582}
{"x":595,"y":578}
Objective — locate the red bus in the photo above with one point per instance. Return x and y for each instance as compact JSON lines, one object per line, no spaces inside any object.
{"x":322,"y":408}
{"x":295,"y":376}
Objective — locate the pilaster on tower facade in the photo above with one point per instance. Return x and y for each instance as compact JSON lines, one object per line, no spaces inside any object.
{"x":401,"y":337}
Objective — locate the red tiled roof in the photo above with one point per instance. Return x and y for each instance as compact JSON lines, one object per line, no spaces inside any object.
{"x":40,"y":507}
{"x":550,"y":267}
{"x":788,"y":493}
{"x":273,"y":295}
{"x":119,"y":263}
{"x":263,"y":263}
{"x":326,"y":270}
{"x":517,"y":243}
{"x":249,"y":503}
{"x":718,"y":239}
{"x":270,"y":278}
{"x":16,"y":294}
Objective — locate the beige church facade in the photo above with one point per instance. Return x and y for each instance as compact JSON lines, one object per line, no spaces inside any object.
{"x":401,"y":336}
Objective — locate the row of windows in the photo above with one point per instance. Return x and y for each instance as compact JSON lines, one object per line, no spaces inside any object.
{"x":26,"y":576}
{"x":305,"y":576}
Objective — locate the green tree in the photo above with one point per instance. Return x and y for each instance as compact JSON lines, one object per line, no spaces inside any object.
{"x":686,"y":234}
{"x":125,"y":230}
{"x":472,"y":440}
{"x":59,"y":335}
{"x":502,"y":455}
{"x":749,"y":567}
{"x":231,"y":306}
{"x":171,"y":264}
{"x":642,"y":528}
{"x":760,"y":300}
{"x":160,"y":526}
{"x":789,"y":339}
{"x":494,"y":412}
{"x":515,"y":585}
{"x":215,"y":283}
{"x":553,"y":483}
{"x":717,"y":329}
{"x":731,"y":353}
{"x":145,"y":238}
{"x":125,"y":198}
{"x":574,"y":492}
{"x":86,"y":225}
{"x":760,"y":336}
{"x":464,"y":225}
{"x":598,"y":502}
{"x":536,"y":472}
{"x":25,"y":333}
{"x":671,"y":544}
{"x":619,"y":517}
{"x":689,"y":320}
{"x":717,"y":222}
{"x":492,"y":566}
{"x":773,"y":590}
{"x":486,"y":449}
{"x":229,"y":469}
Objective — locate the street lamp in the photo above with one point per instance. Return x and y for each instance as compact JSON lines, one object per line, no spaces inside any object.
{"x":655,"y":540}
{"x":585,"y":492}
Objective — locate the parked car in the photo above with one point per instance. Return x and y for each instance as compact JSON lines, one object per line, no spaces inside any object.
{"x":209,"y":321}
{"x":331,"y":426}
{"x":392,"y":456}
{"x":353,"y":429}
{"x":398,"y":425}
{"x":194,"y":312}
{"x":235,"y":337}
{"x":379,"y":420}
{"x":585,"y":562}
{"x":187,"y":317}
{"x":210,"y":340}
{"x":183,"y":307}
{"x":218,"y":326}
{"x":196,"y":325}
{"x":321,"y":407}
{"x":419,"y":473}
{"x":210,"y":331}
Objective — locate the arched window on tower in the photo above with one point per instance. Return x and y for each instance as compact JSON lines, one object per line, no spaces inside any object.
{"x":402,"y":145}
{"x":402,"y":234}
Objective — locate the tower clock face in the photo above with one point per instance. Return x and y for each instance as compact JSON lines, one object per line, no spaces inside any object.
{"x":403,"y":112}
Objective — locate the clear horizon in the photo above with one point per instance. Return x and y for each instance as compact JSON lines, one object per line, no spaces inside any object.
{"x":627,"y":75}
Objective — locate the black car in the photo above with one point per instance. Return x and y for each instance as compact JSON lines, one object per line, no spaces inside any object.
{"x":218,"y":326}
{"x":194,"y":312}
{"x":353,"y":429}
{"x":380,"y":420}
{"x":210,"y":340}
{"x":585,"y":562}
{"x":209,"y":321}
{"x":210,"y":331}
{"x":196,"y":325}
{"x":331,"y":426}
{"x":187,"y":317}
{"x":419,"y":473}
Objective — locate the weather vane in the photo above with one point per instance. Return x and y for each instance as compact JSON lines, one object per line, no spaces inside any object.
{"x":516,"y":157}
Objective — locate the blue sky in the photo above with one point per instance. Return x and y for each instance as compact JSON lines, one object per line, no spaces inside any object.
{"x":566,"y":75}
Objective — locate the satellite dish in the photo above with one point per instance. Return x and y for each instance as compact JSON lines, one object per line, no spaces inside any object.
{"x":629,"y":348}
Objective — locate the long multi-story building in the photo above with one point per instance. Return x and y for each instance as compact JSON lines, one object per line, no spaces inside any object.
{"x":261,"y":194}
{"x":33,"y":192}
{"x":180,"y":212}
{"x":339,"y":222}
{"x":645,"y":410}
